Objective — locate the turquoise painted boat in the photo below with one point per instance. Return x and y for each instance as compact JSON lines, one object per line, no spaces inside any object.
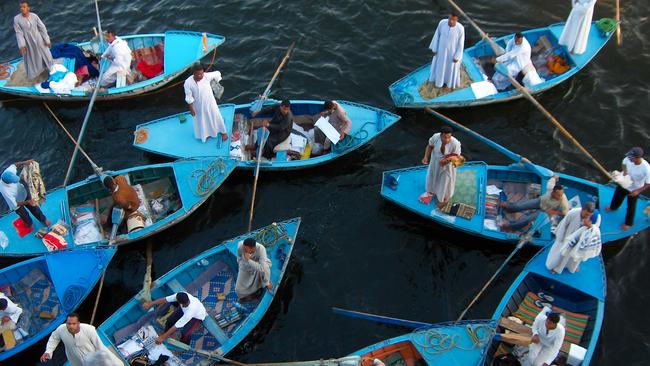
{"x":177,"y":50}
{"x":579,"y":297}
{"x":476,"y":67}
{"x":211,"y":277}
{"x":454,"y":343}
{"x":47,"y":291}
{"x":173,"y":136}
{"x":170,"y":192}
{"x":482,"y":186}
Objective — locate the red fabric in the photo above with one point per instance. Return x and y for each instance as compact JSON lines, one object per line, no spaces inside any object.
{"x":150,"y":70}
{"x":54,"y":242}
{"x":21,"y":228}
{"x":82,"y":73}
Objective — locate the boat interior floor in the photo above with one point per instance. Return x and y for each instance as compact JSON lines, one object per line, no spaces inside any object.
{"x":428,"y":90}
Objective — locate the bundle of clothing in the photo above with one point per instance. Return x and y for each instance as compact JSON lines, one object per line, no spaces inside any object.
{"x":84,"y":223}
{"x":140,"y":349}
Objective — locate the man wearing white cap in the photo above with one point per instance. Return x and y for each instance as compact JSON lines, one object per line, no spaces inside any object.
{"x":635,"y":166}
{"x":17,"y":197}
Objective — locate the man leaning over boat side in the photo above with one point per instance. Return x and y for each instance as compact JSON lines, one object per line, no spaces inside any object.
{"x":440,"y":154}
{"x":79,"y":339}
{"x":188,"y":314}
{"x":120,"y":57}
{"x":638,"y":169}
{"x":123,"y":195}
{"x":18,"y":198}
{"x":254,"y":272}
{"x":447,"y":45}
{"x":202,"y":104}
{"x":577,"y":238}
{"x":33,"y":42}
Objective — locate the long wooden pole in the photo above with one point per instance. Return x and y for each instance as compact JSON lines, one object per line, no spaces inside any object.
{"x":257,"y":175}
{"x":99,"y":293}
{"x":528,"y":96}
{"x":258,"y":103}
{"x":619,"y":39}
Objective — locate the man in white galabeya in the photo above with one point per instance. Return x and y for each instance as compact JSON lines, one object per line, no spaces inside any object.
{"x":447,"y":46}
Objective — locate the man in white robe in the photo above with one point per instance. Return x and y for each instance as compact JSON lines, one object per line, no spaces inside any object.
{"x":9,"y":313}
{"x":119,"y":55}
{"x":515,"y":60}
{"x":576,"y":31}
{"x":447,"y":46}
{"x":577,"y":238}
{"x":80,"y":340}
{"x":254,"y":268}
{"x":548,"y":336}
{"x":440,"y":153}
{"x":208,"y":121}
{"x":33,"y":41}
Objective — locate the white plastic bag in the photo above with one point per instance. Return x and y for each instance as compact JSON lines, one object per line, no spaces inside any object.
{"x":4,"y":241}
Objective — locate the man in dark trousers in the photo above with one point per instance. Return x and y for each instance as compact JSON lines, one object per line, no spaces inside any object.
{"x":279,"y":125}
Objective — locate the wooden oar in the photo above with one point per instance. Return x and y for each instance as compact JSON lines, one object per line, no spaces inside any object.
{"x":412,"y":324}
{"x":210,"y":355}
{"x":257,"y":105}
{"x":522,"y":241}
{"x":528,"y":96}
{"x":619,"y":39}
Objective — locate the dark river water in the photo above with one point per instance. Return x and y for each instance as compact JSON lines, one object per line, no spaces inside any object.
{"x":354,"y":250}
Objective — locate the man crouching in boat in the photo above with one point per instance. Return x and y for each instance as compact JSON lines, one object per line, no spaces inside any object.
{"x":188,"y":315}
{"x":440,"y":153}
{"x":254,"y":268}
{"x":124,"y":196}
{"x":119,"y":55}
{"x":548,"y":335}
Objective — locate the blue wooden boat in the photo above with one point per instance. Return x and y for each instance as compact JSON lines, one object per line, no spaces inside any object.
{"x":47,"y":291}
{"x":579,"y":297}
{"x":170,"y":192}
{"x":476,"y":67}
{"x":454,"y":343}
{"x":474,"y":184}
{"x":177,"y":50}
{"x":173,"y":136}
{"x":211,"y":277}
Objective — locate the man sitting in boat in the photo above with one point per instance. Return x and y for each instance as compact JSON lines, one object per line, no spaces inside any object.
{"x":202,"y":104}
{"x":9,"y":315}
{"x":577,"y":238}
{"x":188,"y":315}
{"x":447,"y":45}
{"x":124,"y":196}
{"x":440,"y":154}
{"x":279,"y":125}
{"x":548,"y":336}
{"x":254,"y":268}
{"x":337,"y":117}
{"x":553,"y":202}
{"x":119,"y":55}
{"x":516,"y":60}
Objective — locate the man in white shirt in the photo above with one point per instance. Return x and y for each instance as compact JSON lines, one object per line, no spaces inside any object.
{"x":638,"y":169}
{"x":516,"y":59}
{"x":447,"y":46}
{"x":119,"y":54}
{"x":18,"y":198}
{"x":189,"y":314}
{"x":9,"y":313}
{"x":80,"y":340}
{"x":548,"y":336}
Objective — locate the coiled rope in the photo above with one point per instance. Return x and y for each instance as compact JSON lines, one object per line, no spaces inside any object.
{"x":352,"y":140}
{"x":436,"y":341}
{"x":72,"y":296}
{"x":271,"y":234}
{"x":206,"y":179}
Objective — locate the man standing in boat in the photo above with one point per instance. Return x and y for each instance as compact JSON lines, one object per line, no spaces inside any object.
{"x":33,"y":42}
{"x":447,"y":46}
{"x":119,"y":55}
{"x":202,"y":104}
{"x":441,"y":152}
{"x":638,"y":169}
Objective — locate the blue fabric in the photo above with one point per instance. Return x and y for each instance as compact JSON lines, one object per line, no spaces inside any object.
{"x":68,"y":50}
{"x":594,"y":216}
{"x":9,"y":177}
{"x":57,"y":76}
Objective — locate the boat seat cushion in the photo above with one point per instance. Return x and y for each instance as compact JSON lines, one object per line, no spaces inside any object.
{"x":35,"y":294}
{"x":575,"y":323}
{"x":465,"y":190}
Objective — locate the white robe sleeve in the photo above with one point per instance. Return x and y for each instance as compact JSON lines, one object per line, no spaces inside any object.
{"x":560,"y":231}
{"x":42,"y":30}
{"x":20,"y":35}
{"x":461,"y":44}
{"x":552,"y":352}
{"x":215,"y":75}
{"x":189,"y":97}
{"x":53,"y":341}
{"x":455,"y":146}
{"x":433,"y":46}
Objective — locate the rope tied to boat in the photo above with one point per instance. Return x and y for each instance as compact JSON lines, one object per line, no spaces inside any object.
{"x":436,"y":341}
{"x":72,"y":297}
{"x":352,"y":140}
{"x":271,"y":234}
{"x":206,"y":179}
